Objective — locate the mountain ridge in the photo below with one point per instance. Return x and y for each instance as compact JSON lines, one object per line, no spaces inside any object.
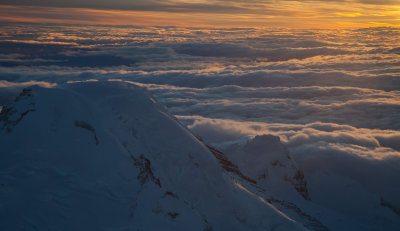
{"x":106,"y":155}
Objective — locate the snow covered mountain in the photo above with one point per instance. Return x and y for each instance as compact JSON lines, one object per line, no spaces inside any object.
{"x":107,"y":156}
{"x":267,"y":169}
{"x":320,"y":200}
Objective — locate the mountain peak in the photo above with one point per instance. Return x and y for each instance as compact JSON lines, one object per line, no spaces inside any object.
{"x":106,"y":155}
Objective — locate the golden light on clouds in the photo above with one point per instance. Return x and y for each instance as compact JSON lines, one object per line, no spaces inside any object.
{"x":293,"y":14}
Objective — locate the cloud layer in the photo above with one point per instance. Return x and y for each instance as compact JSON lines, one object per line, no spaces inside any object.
{"x":333,"y":97}
{"x":268,"y":13}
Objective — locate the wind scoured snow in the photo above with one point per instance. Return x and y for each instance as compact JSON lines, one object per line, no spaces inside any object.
{"x":106,"y":156}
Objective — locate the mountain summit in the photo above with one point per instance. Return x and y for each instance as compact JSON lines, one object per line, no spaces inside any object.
{"x":107,"y":156}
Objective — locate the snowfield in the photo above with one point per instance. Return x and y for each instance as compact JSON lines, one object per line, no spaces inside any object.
{"x":107,"y":156}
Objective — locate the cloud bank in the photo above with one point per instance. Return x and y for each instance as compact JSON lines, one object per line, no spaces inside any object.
{"x":332,"y":98}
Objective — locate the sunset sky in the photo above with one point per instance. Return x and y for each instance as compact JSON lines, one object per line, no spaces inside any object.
{"x":206,"y":13}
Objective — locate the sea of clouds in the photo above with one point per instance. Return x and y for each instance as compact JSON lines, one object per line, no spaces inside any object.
{"x":332,"y":96}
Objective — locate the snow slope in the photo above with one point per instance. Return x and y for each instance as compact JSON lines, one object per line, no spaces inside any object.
{"x":316,"y":196}
{"x":107,"y":156}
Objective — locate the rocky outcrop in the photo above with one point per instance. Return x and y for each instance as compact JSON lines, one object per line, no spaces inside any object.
{"x":11,"y":116}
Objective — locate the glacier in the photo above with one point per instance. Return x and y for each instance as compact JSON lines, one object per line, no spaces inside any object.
{"x":107,"y":156}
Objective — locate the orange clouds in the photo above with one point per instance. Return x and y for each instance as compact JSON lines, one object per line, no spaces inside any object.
{"x":293,"y":14}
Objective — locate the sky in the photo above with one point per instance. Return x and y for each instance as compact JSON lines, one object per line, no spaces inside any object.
{"x":207,"y":13}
